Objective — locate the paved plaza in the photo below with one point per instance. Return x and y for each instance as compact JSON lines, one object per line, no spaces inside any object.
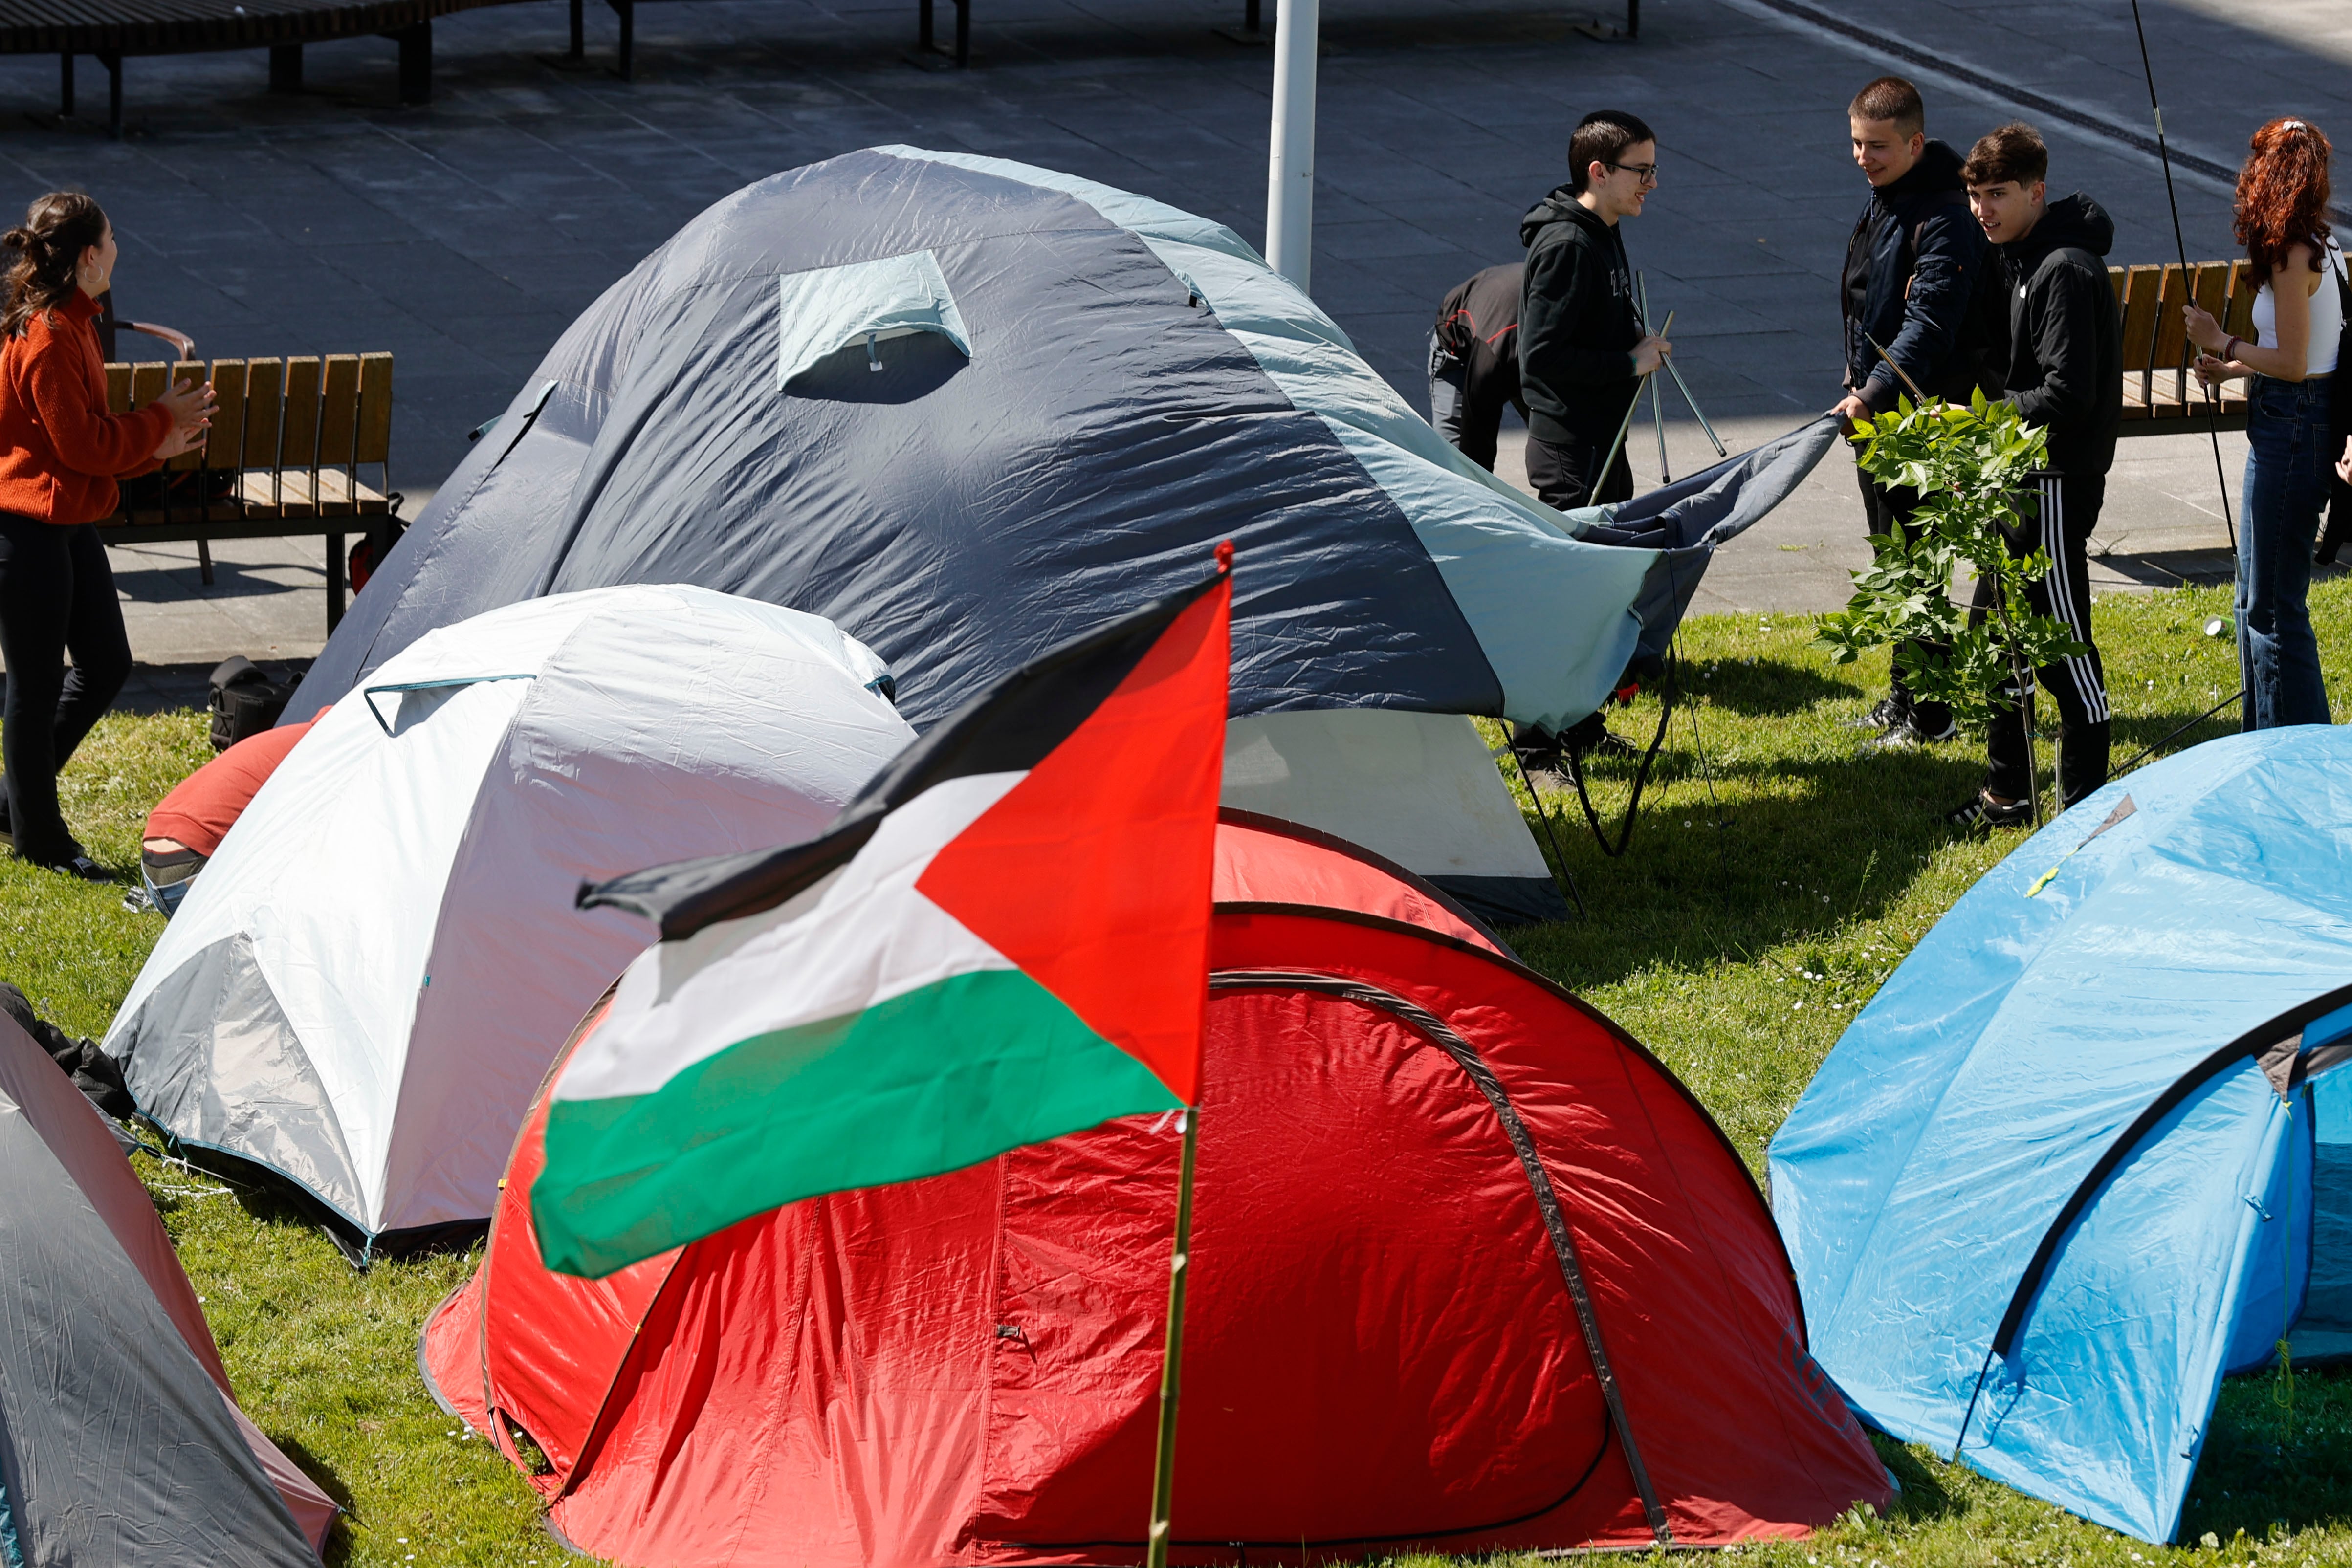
{"x":463,"y":236}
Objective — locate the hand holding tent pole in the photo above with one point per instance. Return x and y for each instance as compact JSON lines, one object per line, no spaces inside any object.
{"x":1622,"y":426}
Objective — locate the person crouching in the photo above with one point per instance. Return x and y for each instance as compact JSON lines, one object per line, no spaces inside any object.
{"x":2065,"y":374}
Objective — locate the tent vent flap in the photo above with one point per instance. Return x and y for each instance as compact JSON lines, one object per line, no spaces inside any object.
{"x":827,"y":309}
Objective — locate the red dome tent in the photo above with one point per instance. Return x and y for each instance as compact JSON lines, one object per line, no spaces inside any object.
{"x":1414,"y":1153}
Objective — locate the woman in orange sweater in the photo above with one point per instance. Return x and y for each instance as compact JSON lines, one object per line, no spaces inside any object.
{"x":60,"y":454}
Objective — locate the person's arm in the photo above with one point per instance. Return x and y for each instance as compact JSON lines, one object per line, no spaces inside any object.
{"x":2288,"y":360}
{"x":1943,"y":275}
{"x":88,"y":441}
{"x":2063,"y":322}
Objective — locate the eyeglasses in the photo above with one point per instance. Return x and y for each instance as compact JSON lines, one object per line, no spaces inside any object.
{"x":1648,"y":171}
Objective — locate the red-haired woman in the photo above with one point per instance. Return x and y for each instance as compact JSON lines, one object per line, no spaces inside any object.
{"x":2298,"y":325}
{"x":60,"y":454}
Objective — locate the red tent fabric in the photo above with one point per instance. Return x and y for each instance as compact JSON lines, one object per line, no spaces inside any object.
{"x":203,"y":807}
{"x":1383,"y":1349}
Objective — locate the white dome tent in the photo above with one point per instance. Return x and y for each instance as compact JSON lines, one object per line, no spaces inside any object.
{"x":367,"y":984}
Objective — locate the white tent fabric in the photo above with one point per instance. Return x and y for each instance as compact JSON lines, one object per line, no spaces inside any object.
{"x":1420,"y":789}
{"x":367,"y":983}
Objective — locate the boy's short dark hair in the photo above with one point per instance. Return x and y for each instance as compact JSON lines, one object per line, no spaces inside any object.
{"x":1602,"y":137}
{"x":1891,"y":98}
{"x":2014,"y":153}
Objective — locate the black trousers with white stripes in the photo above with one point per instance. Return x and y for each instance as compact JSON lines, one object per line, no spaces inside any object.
{"x":2067,"y":508}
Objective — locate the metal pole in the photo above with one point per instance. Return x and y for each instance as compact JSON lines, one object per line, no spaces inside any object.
{"x":1290,"y":159}
{"x":1617,"y":441}
{"x":1657,"y":401}
{"x":1163,"y":1477}
{"x":2180,"y":250}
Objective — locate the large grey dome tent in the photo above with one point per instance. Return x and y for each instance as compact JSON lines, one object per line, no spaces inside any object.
{"x":962,"y":407}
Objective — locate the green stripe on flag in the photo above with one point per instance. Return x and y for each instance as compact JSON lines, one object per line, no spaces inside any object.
{"x":943,"y":1077}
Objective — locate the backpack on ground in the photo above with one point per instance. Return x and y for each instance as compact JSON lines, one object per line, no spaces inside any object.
{"x":244,"y":701}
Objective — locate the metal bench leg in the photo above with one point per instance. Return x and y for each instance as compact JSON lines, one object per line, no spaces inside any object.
{"x":334,"y":582}
{"x":579,"y":30}
{"x":286,"y":68}
{"x":1249,"y":17}
{"x":205,"y":561}
{"x":416,"y":62}
{"x":922,"y":31}
{"x":65,"y":87}
{"x":113,"y":64}
{"x":627,"y":11}
{"x":963,"y":32}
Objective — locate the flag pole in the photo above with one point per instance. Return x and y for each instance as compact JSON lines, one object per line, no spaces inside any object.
{"x":1163,"y":1476}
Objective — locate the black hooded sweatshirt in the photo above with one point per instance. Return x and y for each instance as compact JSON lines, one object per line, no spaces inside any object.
{"x":2066,"y":338}
{"x":1576,"y":324}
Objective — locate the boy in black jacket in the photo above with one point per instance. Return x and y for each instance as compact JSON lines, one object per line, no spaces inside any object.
{"x":1916,"y":282}
{"x":1582,"y":353}
{"x":2065,"y":374}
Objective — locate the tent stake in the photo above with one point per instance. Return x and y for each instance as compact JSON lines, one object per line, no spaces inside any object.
{"x":1163,"y":1478}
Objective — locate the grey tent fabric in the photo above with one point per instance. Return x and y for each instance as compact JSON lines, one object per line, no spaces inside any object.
{"x":1134,"y":387}
{"x":1688,"y":521}
{"x":116,"y":1446}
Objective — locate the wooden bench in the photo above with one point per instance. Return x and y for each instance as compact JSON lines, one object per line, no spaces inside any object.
{"x":111,"y":29}
{"x":2161,"y":394}
{"x":287,"y":456}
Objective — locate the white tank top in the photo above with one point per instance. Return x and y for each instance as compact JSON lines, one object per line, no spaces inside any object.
{"x":2327,"y":318}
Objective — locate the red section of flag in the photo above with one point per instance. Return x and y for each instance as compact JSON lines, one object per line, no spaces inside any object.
{"x":1093,"y":874}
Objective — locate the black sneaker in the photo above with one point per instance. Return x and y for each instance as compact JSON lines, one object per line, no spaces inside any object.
{"x":1980,"y":814}
{"x":81,"y":866}
{"x":1606,"y":744}
{"x":1910,"y":736}
{"x":1885,"y":714}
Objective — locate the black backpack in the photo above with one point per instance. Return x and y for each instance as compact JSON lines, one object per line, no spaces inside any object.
{"x":244,"y":701}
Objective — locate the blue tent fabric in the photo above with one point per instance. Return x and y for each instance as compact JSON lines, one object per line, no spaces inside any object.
{"x":1688,"y":521}
{"x":1131,"y":386}
{"x":2065,"y":1171}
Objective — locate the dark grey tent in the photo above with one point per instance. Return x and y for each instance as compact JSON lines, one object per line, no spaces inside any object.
{"x":964,"y":408}
{"x":119,"y":1444}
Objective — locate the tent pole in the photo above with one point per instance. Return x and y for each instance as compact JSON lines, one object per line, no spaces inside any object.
{"x":1290,"y":160}
{"x":1163,"y":1476}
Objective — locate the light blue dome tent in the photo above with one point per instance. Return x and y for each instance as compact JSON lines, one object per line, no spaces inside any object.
{"x":2090,"y":1147}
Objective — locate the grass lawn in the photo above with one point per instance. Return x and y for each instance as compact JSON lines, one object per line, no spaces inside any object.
{"x":1763,"y":899}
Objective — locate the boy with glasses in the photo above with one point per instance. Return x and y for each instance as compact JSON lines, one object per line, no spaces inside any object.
{"x":1583,"y":352}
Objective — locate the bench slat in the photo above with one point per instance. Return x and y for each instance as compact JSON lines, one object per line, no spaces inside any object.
{"x":265,"y":411}
{"x":185,"y":371}
{"x":118,"y":389}
{"x":338,"y":428}
{"x":298,"y":449}
{"x":2239,"y":322}
{"x":2171,"y":351}
{"x":227,"y":447}
{"x":375,"y":409}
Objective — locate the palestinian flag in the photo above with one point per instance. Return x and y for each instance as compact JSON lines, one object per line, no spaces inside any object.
{"x":1003,"y":939}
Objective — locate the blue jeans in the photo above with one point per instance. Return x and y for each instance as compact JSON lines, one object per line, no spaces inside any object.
{"x":2287,"y":465}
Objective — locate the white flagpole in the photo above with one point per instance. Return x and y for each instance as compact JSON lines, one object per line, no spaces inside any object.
{"x":1290,"y":158}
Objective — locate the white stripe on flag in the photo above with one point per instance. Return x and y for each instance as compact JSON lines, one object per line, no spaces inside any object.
{"x":866,"y":936}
